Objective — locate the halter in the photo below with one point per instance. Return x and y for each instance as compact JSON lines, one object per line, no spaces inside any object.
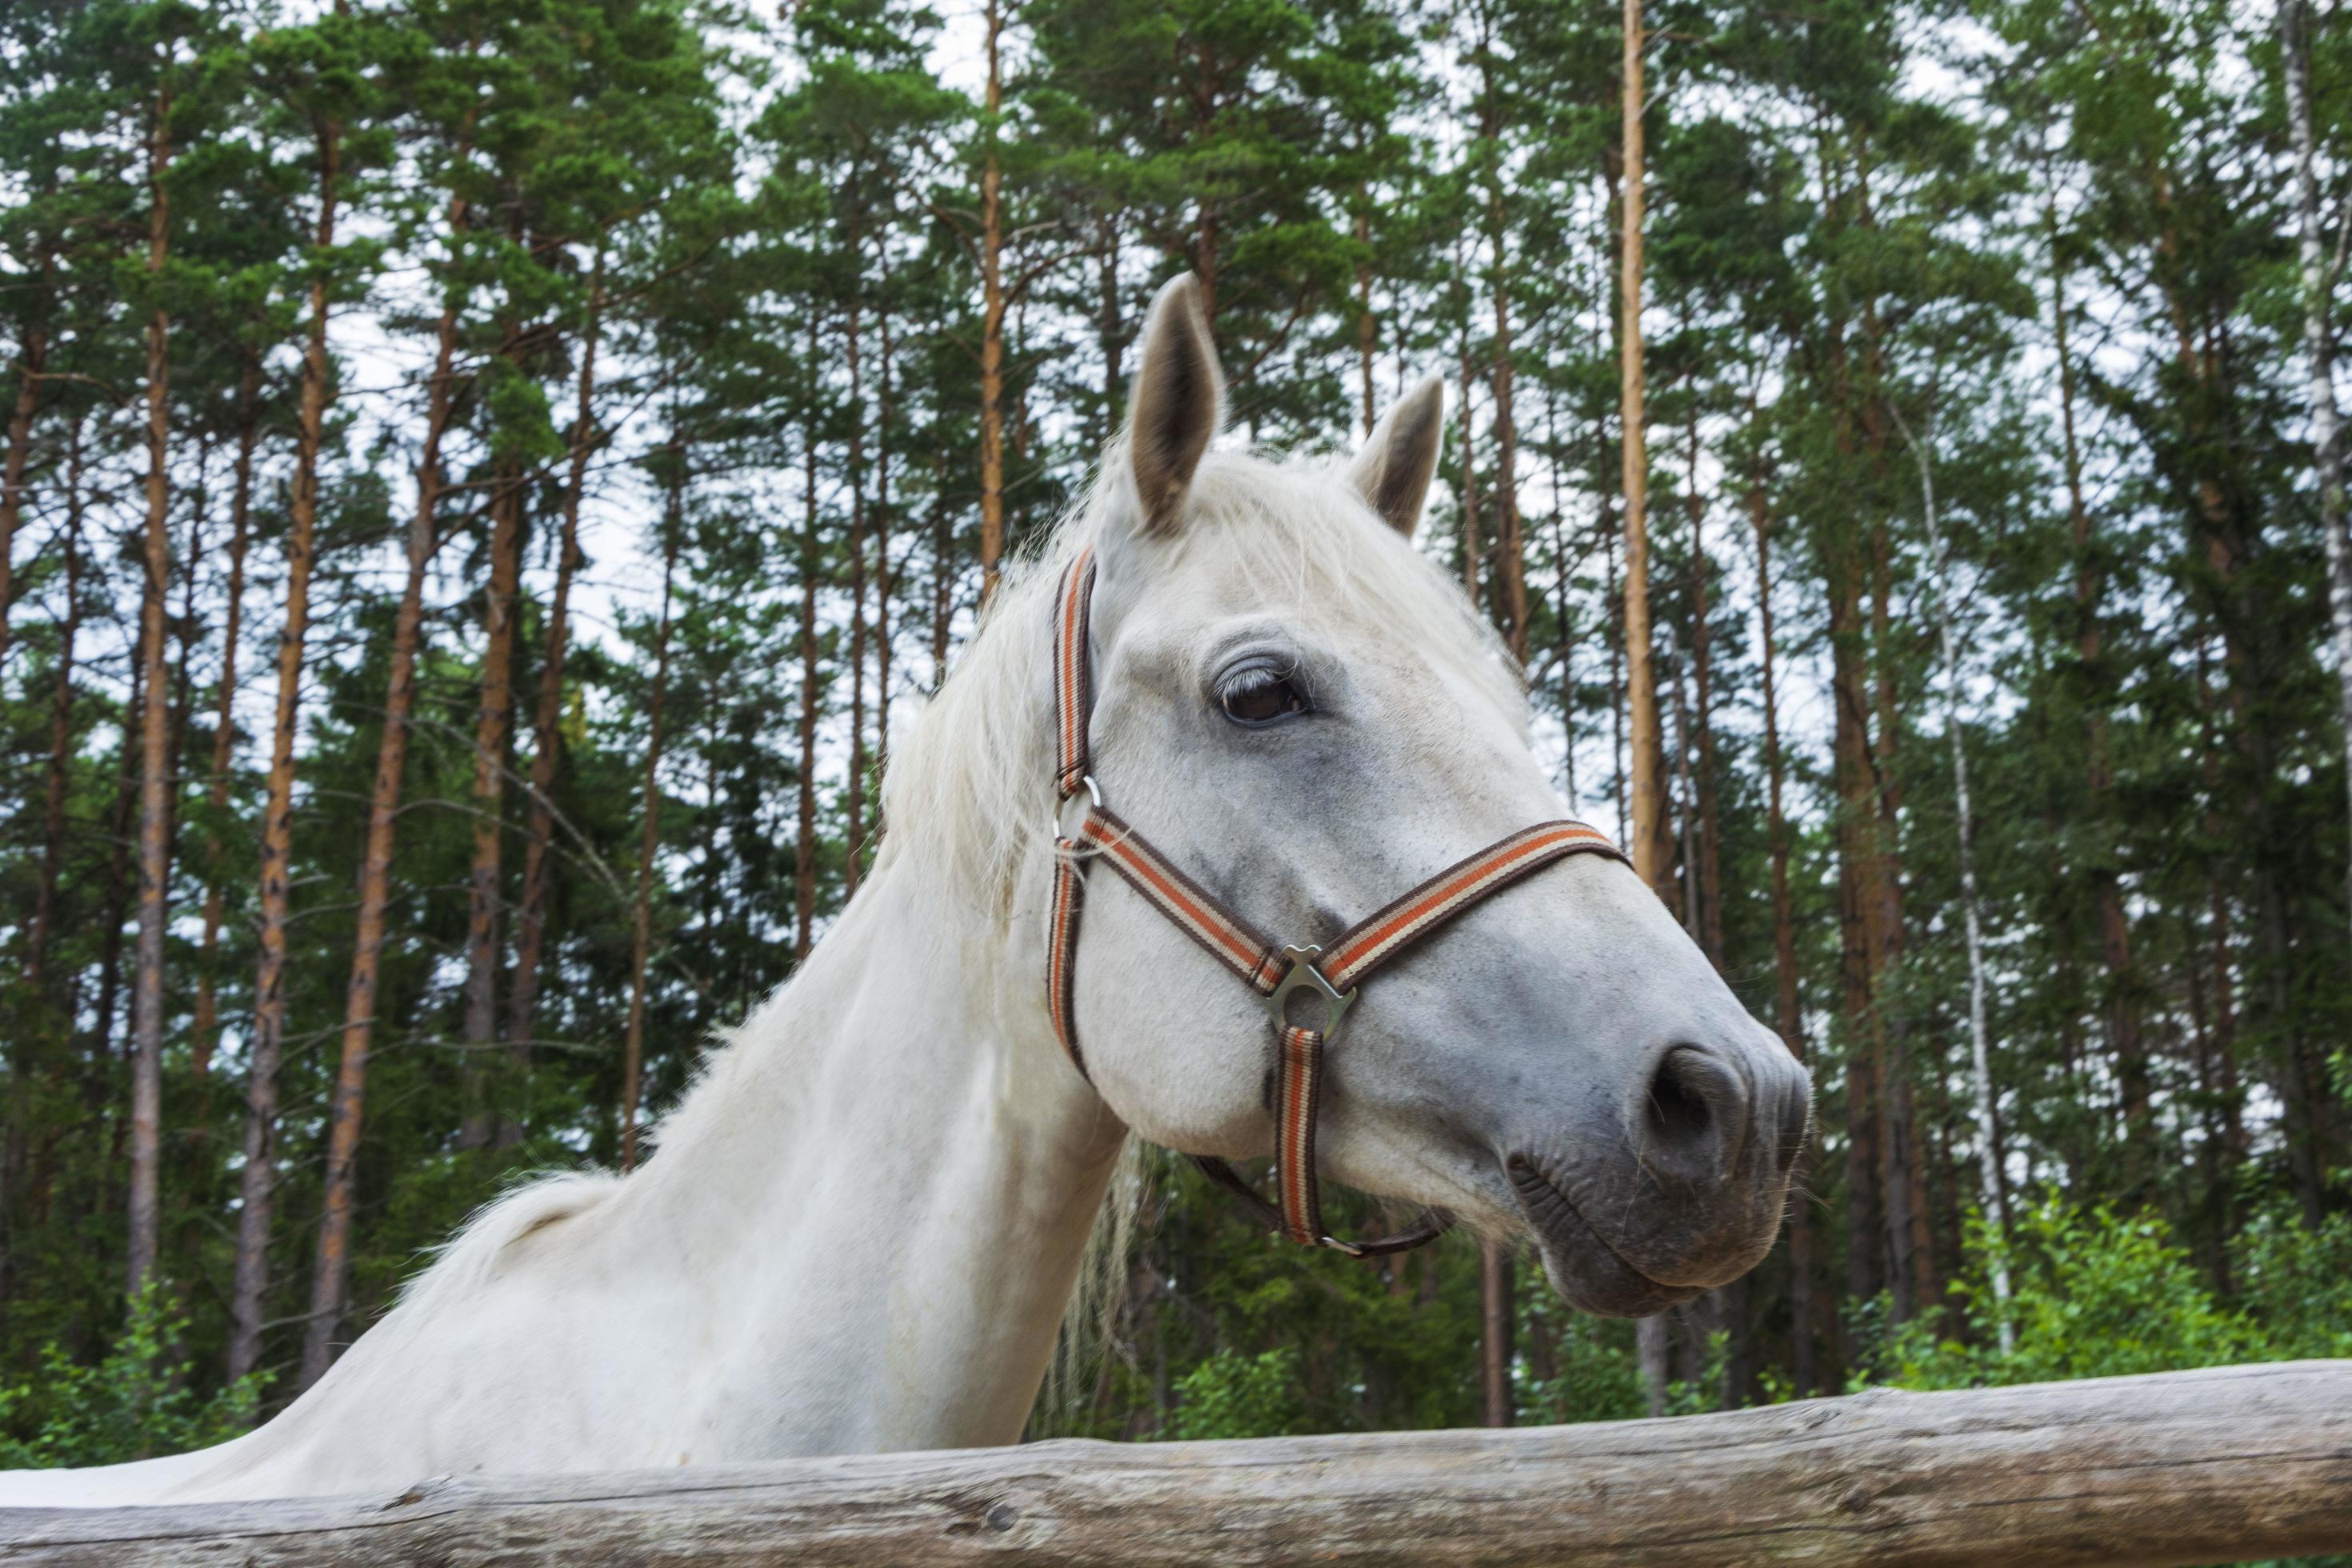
{"x":1275,"y":972}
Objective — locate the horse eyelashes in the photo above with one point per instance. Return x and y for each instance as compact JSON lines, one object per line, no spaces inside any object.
{"x":1262,"y":695}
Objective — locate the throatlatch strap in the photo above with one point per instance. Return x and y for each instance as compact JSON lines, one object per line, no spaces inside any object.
{"x":1240,"y":947}
{"x":1074,"y":680}
{"x":1069,"y":903}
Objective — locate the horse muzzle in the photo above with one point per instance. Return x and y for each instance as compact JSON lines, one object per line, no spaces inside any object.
{"x":1677,"y":1185}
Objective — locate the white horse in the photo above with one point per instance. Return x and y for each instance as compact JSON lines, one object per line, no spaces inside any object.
{"x":862,"y":1226}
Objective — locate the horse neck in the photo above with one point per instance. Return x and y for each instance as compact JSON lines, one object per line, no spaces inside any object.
{"x":895,"y":1177}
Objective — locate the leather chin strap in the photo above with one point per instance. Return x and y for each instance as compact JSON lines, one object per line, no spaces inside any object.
{"x":1274,"y":971}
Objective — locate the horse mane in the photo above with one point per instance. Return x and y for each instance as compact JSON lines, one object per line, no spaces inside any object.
{"x":460,"y":1266}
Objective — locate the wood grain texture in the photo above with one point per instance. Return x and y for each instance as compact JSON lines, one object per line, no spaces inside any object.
{"x":2182,"y":1468}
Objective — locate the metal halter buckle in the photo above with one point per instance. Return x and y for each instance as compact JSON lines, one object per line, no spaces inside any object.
{"x":1303,"y":973}
{"x":1094,"y":793}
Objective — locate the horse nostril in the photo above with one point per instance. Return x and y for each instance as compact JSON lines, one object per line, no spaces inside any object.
{"x":1695,"y":1114}
{"x":1679,"y":1110}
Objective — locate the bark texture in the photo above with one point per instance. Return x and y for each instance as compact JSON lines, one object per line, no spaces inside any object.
{"x":2178,"y":1468}
{"x":991,"y":321}
{"x":1653,"y":846}
{"x":143,"y":1205}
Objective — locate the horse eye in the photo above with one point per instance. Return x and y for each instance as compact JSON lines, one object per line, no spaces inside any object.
{"x":1262,"y":696}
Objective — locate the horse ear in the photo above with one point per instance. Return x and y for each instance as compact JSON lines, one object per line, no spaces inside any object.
{"x":1400,"y":457}
{"x":1177,"y":404}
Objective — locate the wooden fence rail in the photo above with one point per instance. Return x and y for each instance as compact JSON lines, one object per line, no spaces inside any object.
{"x":2181,"y":1468}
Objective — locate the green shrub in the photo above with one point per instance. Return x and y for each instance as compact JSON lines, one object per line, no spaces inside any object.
{"x":1597,"y":1376}
{"x":1236,"y":1395}
{"x":2093,"y":1294}
{"x":136,"y":1402}
{"x":2297,"y":1283}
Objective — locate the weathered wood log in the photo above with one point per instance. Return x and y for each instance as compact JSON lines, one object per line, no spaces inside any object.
{"x":2181,"y":1468}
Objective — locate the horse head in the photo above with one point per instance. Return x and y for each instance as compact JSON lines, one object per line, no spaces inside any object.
{"x":1301,"y":712}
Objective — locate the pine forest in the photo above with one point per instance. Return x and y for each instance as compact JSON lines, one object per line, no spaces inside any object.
{"x":488,"y":482}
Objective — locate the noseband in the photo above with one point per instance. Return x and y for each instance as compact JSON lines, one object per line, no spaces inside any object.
{"x":1276,"y":972}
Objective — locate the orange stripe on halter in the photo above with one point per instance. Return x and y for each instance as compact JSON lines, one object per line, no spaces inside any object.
{"x":1195,"y":911}
{"x":1274,"y":971}
{"x":1453,"y":890}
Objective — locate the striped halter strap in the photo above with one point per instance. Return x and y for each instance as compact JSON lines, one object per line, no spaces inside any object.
{"x":1273,"y":971}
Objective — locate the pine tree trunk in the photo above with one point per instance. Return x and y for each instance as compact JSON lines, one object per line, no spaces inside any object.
{"x":204,"y":1033}
{"x":1110,"y":331}
{"x":259,"y":1176}
{"x":854,"y":835}
{"x":100,"y":1116}
{"x":1910,"y":1255}
{"x":2222,"y":943}
{"x":1684,"y":809}
{"x":1652,"y":1345}
{"x":2318,"y":272}
{"x":1910,"y":1258}
{"x":1616,"y":684}
{"x":2213,"y":1152}
{"x":493,"y":736}
{"x":991,"y":323}
{"x":493,"y":724}
{"x":1856,"y":828}
{"x":1509,"y":542}
{"x":1474,"y":548}
{"x":1564,"y":635}
{"x":330,"y":1265}
{"x":885,"y":577}
{"x":120,"y":821}
{"x":531,"y":917}
{"x":1709,"y":868}
{"x":191,"y":635}
{"x":804,"y":845}
{"x":641,"y":924}
{"x":1606,"y":524}
{"x":1367,"y":324}
{"x":942,"y":568}
{"x":143,"y":1208}
{"x":1652,"y":835}
{"x":35,"y":358}
{"x":1497,"y":1319}
{"x":58,"y":773}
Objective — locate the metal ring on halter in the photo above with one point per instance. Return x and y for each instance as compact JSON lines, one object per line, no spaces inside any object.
{"x":1094,"y":793}
{"x":1302,"y":973}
